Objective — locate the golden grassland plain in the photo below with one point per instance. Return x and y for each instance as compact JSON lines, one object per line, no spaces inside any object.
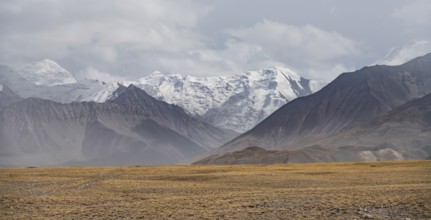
{"x":381,"y":190}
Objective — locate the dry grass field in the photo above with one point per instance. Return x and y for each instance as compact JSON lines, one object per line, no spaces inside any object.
{"x":383,"y":190}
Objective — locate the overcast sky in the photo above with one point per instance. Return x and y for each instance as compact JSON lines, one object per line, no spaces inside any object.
{"x":132,"y":38}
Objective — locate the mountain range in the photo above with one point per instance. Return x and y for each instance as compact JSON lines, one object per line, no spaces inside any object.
{"x":403,"y":133}
{"x":49,"y":117}
{"x":133,"y":128}
{"x":319,"y":120}
{"x":235,"y":102}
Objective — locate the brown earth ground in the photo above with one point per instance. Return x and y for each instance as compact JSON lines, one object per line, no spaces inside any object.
{"x":382,"y":190}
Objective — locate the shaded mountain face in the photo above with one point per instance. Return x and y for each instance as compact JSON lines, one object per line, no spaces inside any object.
{"x":7,"y":96}
{"x":349,"y":99}
{"x":133,"y":128}
{"x":402,"y":133}
{"x":172,"y":115}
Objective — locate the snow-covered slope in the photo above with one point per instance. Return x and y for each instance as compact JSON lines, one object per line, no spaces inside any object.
{"x":236,"y":102}
{"x":56,"y":88}
{"x":405,"y":53}
{"x":46,"y":73}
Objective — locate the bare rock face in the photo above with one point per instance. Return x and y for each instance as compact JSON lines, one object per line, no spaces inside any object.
{"x":350,"y":99}
{"x":134,"y":128}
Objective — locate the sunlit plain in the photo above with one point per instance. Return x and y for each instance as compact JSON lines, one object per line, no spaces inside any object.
{"x":394,"y":190}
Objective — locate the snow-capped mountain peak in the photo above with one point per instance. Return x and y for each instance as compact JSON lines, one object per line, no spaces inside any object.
{"x":46,"y":73}
{"x":235,"y":102}
{"x":402,"y":54}
{"x":284,"y":80}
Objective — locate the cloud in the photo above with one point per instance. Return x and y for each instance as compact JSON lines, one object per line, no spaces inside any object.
{"x":327,"y":73}
{"x":418,"y":13}
{"x":93,"y":73}
{"x":134,"y":38}
{"x":311,"y":51}
{"x":109,"y":35}
{"x":288,"y":41}
{"x":306,"y":47}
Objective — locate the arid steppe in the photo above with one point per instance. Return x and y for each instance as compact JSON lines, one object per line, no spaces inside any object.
{"x":380,"y":190}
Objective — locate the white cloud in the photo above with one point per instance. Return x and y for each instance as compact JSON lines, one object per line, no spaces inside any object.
{"x":134,"y":38}
{"x":306,"y":48}
{"x":418,"y":12}
{"x":290,"y":42}
{"x":105,"y":34}
{"x":327,"y":73}
{"x":93,"y":73}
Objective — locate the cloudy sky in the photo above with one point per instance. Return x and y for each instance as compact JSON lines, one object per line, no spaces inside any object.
{"x":131,"y":38}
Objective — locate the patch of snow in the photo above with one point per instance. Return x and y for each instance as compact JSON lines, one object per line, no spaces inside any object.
{"x":367,"y":156}
{"x":46,"y":73}
{"x":402,"y":54}
{"x":389,"y":154}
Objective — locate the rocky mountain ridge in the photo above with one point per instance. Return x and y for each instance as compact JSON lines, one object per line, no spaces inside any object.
{"x":349,"y":99}
{"x":235,"y":102}
{"x":134,"y":128}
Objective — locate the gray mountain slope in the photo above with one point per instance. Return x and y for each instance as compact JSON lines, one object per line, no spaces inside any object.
{"x":174,"y":116}
{"x":134,"y":128}
{"x":7,"y":96}
{"x":403,"y":133}
{"x":349,"y":99}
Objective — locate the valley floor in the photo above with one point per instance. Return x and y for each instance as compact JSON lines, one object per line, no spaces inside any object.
{"x":382,"y":190}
